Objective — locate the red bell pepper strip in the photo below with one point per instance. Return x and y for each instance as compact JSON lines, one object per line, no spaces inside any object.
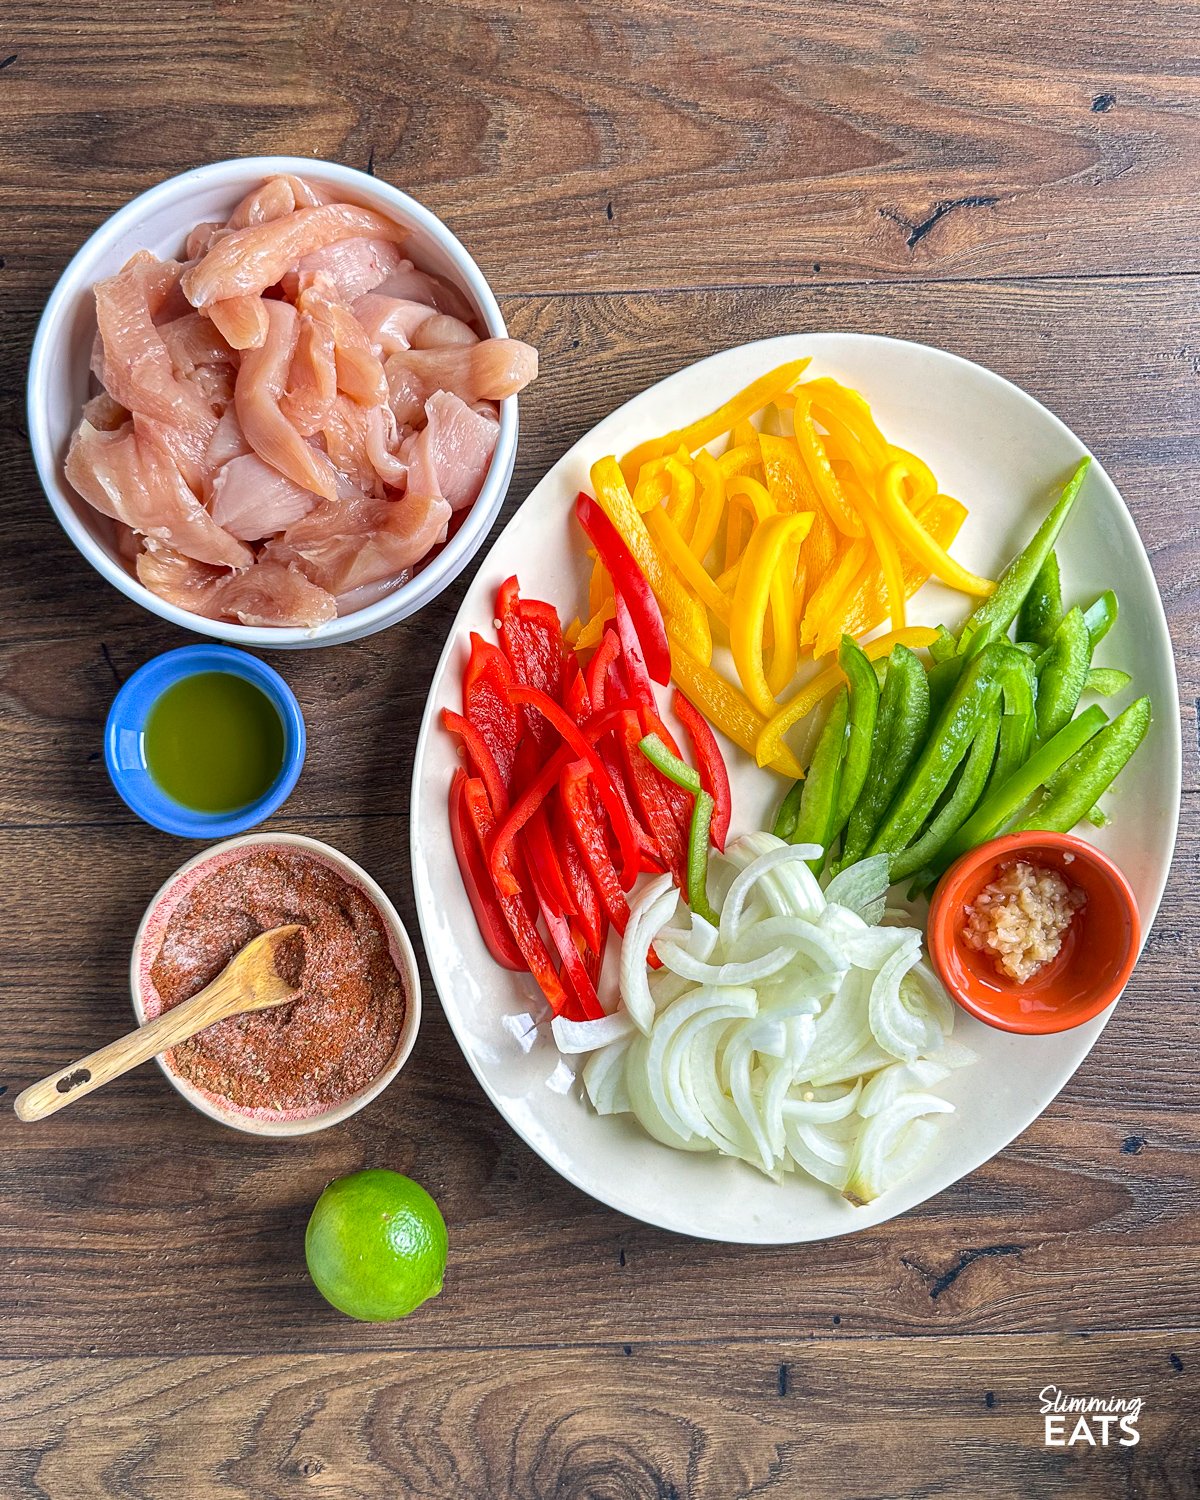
{"x":587,"y":834}
{"x":576,"y":699}
{"x":573,"y":971}
{"x":501,"y":847}
{"x":632,"y":658}
{"x":521,"y":923}
{"x":485,"y":703}
{"x":585,"y":903}
{"x":649,"y":860}
{"x":549,"y":878}
{"x":476,"y":877}
{"x":597,"y":671}
{"x":483,"y":761}
{"x":679,"y":801}
{"x":714,"y":777}
{"x":531,"y":635}
{"x":628,"y":581}
{"x":593,"y":959}
{"x":562,"y":722}
{"x":651,"y":799}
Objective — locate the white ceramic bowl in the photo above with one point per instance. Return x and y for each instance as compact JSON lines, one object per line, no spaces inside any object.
{"x":149,"y":937}
{"x":159,"y":220}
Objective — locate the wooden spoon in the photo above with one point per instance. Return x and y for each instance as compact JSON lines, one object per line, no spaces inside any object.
{"x":249,"y":981}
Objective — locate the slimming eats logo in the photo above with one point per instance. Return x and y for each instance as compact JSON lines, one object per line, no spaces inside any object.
{"x":1090,"y":1419}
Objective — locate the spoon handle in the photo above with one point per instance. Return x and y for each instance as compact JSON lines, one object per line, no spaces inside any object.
{"x":66,"y":1085}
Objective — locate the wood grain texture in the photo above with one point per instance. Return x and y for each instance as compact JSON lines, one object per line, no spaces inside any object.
{"x":643,"y":184}
{"x":647,"y":143}
{"x":773,"y":1421}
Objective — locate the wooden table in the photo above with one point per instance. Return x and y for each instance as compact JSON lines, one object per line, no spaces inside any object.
{"x":643,"y":184}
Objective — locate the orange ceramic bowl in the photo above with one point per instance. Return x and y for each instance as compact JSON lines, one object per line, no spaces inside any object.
{"x":1098,"y":953}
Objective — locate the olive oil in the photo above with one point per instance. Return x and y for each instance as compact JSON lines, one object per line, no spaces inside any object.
{"x":214,"y":742}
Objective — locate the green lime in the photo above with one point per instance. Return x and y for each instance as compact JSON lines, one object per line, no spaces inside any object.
{"x":376,"y":1245}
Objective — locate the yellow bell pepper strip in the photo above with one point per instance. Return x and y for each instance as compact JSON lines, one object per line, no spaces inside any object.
{"x":600,"y":589}
{"x":761,"y":581}
{"x":787,"y":479}
{"x":701,"y":432}
{"x":592,"y":632}
{"x":757,"y":494}
{"x":843,"y":447}
{"x":727,"y":581}
{"x":652,"y":489}
{"x":745,"y":497}
{"x":683,"y":612}
{"x":711,"y":506}
{"x":942,"y":517}
{"x":738,"y":460}
{"x":920,"y":475}
{"x":573,"y":631}
{"x":691,"y":570}
{"x":913,"y":537}
{"x":889,"y":556}
{"x":820,"y":470}
{"x":852,"y":413}
{"x":821,"y":546}
{"x":682,"y":500}
{"x":833,"y":591}
{"x":785,"y":632}
{"x":728,"y":709}
{"x":770,"y":741}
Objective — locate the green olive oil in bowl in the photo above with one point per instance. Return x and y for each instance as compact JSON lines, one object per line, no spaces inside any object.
{"x":214,"y":742}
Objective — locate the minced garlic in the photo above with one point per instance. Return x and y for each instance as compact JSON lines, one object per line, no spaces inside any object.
{"x":1021,"y":918}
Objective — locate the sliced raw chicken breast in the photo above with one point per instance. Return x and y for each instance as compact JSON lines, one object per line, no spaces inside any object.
{"x":344,"y":433}
{"x":261,"y":381}
{"x":251,"y":500}
{"x":276,"y":198}
{"x":242,"y":321}
{"x":229,"y":441}
{"x":382,"y":442}
{"x":440,"y":331}
{"x":312,"y":378}
{"x":347,"y":546}
{"x":419,"y":286}
{"x":358,"y":370}
{"x":248,"y":261}
{"x":193,"y":340}
{"x":487,"y":371}
{"x":390,"y":322}
{"x":370,"y":593}
{"x":134,"y":481}
{"x":269,"y":593}
{"x":137,"y":368}
{"x":353,"y":266}
{"x":105,"y":414}
{"x":450,"y":456}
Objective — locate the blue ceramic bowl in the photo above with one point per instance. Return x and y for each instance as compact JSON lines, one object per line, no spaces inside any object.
{"x":125,"y":745}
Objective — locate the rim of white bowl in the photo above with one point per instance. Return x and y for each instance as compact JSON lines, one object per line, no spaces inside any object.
{"x":402,"y":952}
{"x":77,"y":280}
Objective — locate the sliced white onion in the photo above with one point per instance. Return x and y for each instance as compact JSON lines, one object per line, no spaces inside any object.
{"x":900,"y":1020}
{"x":649,"y":914}
{"x":816,"y":1111}
{"x":883,"y":1153}
{"x":862,"y":887}
{"x":724,"y":1003}
{"x":679,"y":961}
{"x":901,"y":1078}
{"x":586,"y":1036}
{"x":604,"y":1079}
{"x":770,"y":860}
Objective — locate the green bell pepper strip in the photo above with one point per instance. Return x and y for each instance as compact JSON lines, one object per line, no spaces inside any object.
{"x":959,"y":722}
{"x":1105,"y":681}
{"x":671,"y":766}
{"x":789,"y":811}
{"x":819,"y":798}
{"x":942,"y":678}
{"x":958,"y":806}
{"x":1097,"y":817}
{"x":697,"y":858}
{"x":1001,"y":804}
{"x":1041,"y":612}
{"x":1062,"y":673}
{"x":992,"y":619}
{"x":901,"y":727}
{"x":864,"y":710}
{"x":1018,"y":721}
{"x":1030,"y":648}
{"x":1072,"y":791}
{"x":944,"y":647}
{"x":1101,"y":616}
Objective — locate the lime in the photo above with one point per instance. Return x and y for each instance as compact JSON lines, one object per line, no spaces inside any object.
{"x":376,"y":1245}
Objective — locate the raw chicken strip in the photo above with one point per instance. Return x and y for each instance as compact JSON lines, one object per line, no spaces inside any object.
{"x":251,"y":500}
{"x":440,"y":331}
{"x":344,"y":431}
{"x":346,"y":546}
{"x":203,"y":238}
{"x":419,"y":286}
{"x":354,"y":266}
{"x":241,"y":320}
{"x":137,"y":369}
{"x":105,"y":414}
{"x":276,"y":198}
{"x":134,"y":481}
{"x":451,"y":454}
{"x":248,"y":261}
{"x":359,"y":372}
{"x":269,"y":593}
{"x":312,"y":378}
{"x":487,"y":371}
{"x":370,"y":593}
{"x":390,"y":322}
{"x":260,"y":385}
{"x":229,"y":441}
{"x":192,"y":341}
{"x":382,"y":441}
